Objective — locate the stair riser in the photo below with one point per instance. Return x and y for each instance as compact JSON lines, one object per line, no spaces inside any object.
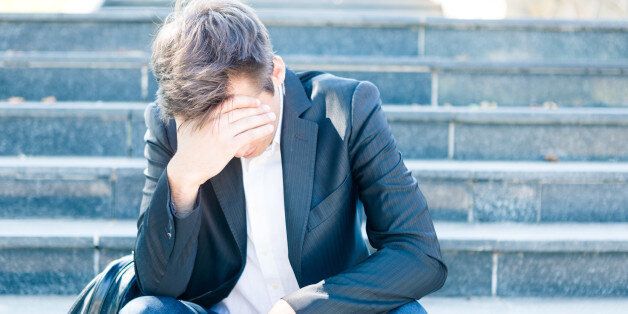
{"x":71,"y":192}
{"x":56,"y":265}
{"x":460,"y":140}
{"x":535,"y":274}
{"x":472,"y":40}
{"x":525,"y":197}
{"x":73,"y":132}
{"x":120,"y":36}
{"x":520,"y":199}
{"x":458,"y":87}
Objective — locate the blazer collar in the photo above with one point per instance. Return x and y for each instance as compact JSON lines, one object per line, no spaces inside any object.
{"x":298,"y":150}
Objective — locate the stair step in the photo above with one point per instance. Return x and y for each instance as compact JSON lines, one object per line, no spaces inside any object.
{"x":524,"y":133}
{"x":27,"y":304}
{"x":72,"y":129}
{"x":59,"y":256}
{"x":504,"y":259}
{"x":475,"y":191}
{"x":423,"y":132}
{"x":34,"y":304}
{"x":524,"y":191}
{"x":539,"y":305}
{"x":109,"y":76}
{"x":420,"y":6}
{"x":333,"y":32}
{"x":507,"y":237}
{"x":71,"y":187}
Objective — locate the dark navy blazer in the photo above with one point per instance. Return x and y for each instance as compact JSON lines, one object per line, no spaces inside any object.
{"x":336,"y":147}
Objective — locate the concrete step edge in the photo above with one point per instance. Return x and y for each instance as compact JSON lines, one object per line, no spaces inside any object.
{"x":126,"y":59}
{"x":27,"y":304}
{"x":418,"y":165}
{"x":382,"y":18}
{"x":505,"y":237}
{"x":521,"y":305}
{"x":79,"y":162}
{"x":394,"y":112}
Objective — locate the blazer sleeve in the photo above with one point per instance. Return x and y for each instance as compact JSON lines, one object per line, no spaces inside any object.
{"x":407,"y":264}
{"x":165,"y":247}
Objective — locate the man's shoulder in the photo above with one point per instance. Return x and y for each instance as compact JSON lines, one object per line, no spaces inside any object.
{"x":338,"y":90}
{"x":160,"y":127}
{"x":342,"y":100}
{"x":317,"y":83}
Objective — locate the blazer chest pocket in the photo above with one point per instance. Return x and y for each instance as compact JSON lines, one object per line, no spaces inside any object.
{"x":332,"y":203}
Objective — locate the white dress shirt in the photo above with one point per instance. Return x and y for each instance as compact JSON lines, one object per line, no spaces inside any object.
{"x":267,"y":274}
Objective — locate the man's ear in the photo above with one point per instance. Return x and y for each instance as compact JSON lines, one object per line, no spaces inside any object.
{"x":279,"y":69}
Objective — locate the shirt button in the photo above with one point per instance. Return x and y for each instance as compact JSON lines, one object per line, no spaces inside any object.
{"x":275,"y":286}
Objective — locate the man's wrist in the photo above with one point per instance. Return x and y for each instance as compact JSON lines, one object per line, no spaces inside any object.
{"x":183,"y":192}
{"x":281,"y":307}
{"x":179,"y":178}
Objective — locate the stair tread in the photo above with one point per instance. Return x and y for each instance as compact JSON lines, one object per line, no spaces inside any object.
{"x":493,"y":234}
{"x":26,"y":304}
{"x":473,"y":305}
{"x":517,"y":166}
{"x":544,"y":232}
{"x":397,"y":112}
{"x":374,"y":62}
{"x":56,"y":227}
{"x":334,"y":16}
{"x":71,"y":162}
{"x":432,"y":164}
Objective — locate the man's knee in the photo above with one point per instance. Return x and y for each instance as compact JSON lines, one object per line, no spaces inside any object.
{"x":413,"y":307}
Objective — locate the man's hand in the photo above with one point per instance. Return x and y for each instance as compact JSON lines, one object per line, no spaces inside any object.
{"x":203,"y":153}
{"x":281,"y":307}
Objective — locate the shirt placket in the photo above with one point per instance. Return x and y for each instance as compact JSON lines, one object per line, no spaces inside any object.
{"x":266,"y":224}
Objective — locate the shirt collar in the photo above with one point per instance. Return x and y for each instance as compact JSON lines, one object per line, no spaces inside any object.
{"x":277,"y":139}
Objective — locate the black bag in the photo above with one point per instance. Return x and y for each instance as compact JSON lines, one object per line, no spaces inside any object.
{"x":110,"y":290}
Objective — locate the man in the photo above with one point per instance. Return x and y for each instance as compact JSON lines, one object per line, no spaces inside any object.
{"x":253,"y":177}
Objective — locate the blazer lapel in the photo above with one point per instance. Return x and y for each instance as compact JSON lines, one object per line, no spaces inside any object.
{"x":298,"y":153}
{"x":230,"y":193}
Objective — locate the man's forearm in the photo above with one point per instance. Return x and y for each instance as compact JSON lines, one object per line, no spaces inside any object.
{"x":165,"y":248}
{"x":183,"y":192}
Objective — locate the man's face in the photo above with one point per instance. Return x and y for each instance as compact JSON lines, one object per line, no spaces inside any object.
{"x":243,"y":86}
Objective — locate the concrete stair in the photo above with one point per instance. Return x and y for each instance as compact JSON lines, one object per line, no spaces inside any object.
{"x":488,"y":259}
{"x":471,"y":191}
{"x":453,"y":133}
{"x":516,"y":131}
{"x":424,"y":7}
{"x":124,"y":76}
{"x":355,"y":33}
{"x":434,"y":305}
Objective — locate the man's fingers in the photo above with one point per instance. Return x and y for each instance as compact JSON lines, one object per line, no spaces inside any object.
{"x":240,"y":113}
{"x":243,"y":150}
{"x":239,"y":101}
{"x":251,"y":122}
{"x":253,"y":134}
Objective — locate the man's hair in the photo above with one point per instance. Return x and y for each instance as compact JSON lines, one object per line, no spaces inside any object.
{"x":200,"y":47}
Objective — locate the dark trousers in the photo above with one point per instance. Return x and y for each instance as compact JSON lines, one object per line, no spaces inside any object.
{"x":159,"y":304}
